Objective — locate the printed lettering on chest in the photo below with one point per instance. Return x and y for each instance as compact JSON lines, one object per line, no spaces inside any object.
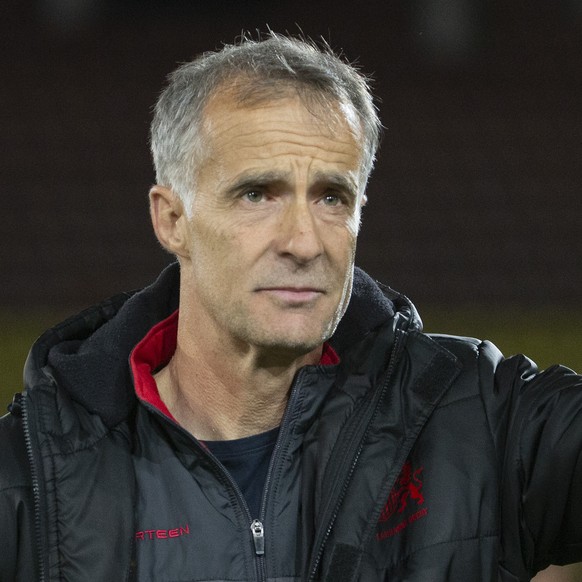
{"x":162,"y":534}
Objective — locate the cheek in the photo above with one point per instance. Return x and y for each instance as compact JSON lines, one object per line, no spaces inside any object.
{"x":344,"y":243}
{"x":210,"y":237}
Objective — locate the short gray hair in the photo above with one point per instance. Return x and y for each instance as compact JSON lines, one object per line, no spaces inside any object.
{"x":257,"y":70}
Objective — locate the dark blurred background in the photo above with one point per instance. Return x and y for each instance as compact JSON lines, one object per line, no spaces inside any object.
{"x":474,"y":208}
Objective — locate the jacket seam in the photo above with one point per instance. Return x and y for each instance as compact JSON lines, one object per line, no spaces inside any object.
{"x":478,"y":356}
{"x":284,"y":454}
{"x":57,"y":502}
{"x":436,"y":544}
{"x":501,"y":477}
{"x":56,"y":520}
{"x":79,"y":449}
{"x":11,"y":487}
{"x":462,"y":399}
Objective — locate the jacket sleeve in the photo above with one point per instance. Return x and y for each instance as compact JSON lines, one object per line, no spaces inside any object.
{"x":17,"y":557}
{"x":538,"y":428}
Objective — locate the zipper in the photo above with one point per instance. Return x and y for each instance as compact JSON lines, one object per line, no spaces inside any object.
{"x":258,"y":537}
{"x":361,"y":423}
{"x":256,"y":529}
{"x":281,"y":438}
{"x":35,"y":488}
{"x":256,"y":526}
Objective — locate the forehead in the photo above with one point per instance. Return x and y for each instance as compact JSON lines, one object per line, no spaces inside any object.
{"x":331,"y":131}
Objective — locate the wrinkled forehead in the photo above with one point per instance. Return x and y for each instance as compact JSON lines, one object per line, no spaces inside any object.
{"x":282,"y":136}
{"x":329,"y":111}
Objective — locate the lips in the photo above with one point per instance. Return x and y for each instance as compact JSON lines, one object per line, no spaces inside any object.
{"x":293,"y":295}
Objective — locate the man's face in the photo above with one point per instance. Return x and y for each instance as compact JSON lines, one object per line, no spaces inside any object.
{"x":273,"y":227}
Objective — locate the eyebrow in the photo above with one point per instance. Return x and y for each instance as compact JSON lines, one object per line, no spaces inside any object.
{"x":257,"y":179}
{"x":339,"y":181}
{"x":261,"y":179}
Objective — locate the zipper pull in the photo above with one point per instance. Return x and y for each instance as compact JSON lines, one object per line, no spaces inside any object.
{"x":258,"y":537}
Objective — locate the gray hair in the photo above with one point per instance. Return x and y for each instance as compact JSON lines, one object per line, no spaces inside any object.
{"x":257,"y":71}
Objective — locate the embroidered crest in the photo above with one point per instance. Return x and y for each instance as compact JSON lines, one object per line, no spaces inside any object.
{"x":407,"y":489}
{"x":407,"y":486}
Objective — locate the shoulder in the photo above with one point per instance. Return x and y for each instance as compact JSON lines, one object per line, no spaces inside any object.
{"x":509,"y":383}
{"x":481,"y":365}
{"x":477,"y":359}
{"x":484,"y":360}
{"x":469,"y":348}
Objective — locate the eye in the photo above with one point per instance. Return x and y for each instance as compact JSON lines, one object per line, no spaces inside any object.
{"x":331,"y":200}
{"x":253,"y":196}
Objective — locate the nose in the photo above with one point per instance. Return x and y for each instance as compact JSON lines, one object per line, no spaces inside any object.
{"x":299,"y":233}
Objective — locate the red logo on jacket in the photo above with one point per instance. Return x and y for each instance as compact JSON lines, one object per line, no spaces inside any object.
{"x":408,"y":487}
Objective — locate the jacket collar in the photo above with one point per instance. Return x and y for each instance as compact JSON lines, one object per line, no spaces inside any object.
{"x":87,"y":354}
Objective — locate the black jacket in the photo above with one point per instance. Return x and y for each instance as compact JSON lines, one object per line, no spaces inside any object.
{"x":417,"y":458}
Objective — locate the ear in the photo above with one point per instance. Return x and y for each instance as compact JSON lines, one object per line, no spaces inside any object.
{"x":169,"y":220}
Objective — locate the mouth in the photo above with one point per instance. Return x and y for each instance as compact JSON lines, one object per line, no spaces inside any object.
{"x":293,"y":295}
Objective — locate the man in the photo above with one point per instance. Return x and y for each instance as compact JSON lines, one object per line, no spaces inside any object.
{"x":264,"y":411}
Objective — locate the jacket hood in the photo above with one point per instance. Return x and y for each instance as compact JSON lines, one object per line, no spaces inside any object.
{"x":87,"y":355}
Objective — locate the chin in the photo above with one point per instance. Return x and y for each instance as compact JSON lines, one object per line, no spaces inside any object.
{"x":283,"y":355}
{"x":292,"y":333}
{"x":290,"y":344}
{"x":293,"y":344}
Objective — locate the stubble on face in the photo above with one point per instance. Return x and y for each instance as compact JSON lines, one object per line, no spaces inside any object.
{"x":273,"y":227}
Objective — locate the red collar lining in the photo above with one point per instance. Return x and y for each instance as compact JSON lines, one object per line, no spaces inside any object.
{"x":153,"y":352}
{"x":156,"y":349}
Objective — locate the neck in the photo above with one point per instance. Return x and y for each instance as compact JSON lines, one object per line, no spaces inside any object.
{"x":217,"y":393}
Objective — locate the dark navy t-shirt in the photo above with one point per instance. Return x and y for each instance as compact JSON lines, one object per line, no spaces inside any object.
{"x":247,"y":460}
